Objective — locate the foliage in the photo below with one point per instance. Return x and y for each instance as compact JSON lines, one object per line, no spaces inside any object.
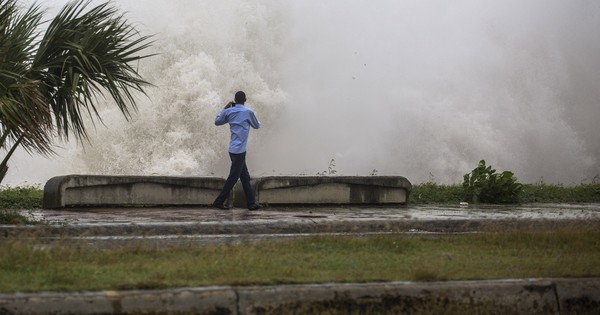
{"x":484,"y":185}
{"x":49,"y":83}
{"x":25,"y":197}
{"x":558,"y":193}
{"x":14,"y":200}
{"x":330,"y":169}
{"x":431,"y":192}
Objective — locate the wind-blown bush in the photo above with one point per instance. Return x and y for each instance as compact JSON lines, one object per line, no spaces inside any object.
{"x":484,"y":185}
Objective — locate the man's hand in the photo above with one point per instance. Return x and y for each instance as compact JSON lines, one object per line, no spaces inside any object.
{"x":229,"y":105}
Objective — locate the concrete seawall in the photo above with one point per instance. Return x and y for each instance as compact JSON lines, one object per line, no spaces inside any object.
{"x":94,"y":190}
{"x":327,"y":190}
{"x":529,"y":296}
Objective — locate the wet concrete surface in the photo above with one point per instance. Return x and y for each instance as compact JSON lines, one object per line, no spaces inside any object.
{"x":159,"y":227}
{"x":190,"y":215}
{"x":109,"y":227}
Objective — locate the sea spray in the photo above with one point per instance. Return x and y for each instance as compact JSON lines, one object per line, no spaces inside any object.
{"x":415,"y":88}
{"x":203,"y":58}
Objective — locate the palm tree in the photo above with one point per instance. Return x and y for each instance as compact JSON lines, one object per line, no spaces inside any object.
{"x":51,"y":81}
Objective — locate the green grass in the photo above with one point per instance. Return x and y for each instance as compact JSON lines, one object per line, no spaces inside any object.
{"x":569,"y":252}
{"x":15,"y":217}
{"x":428,"y":193}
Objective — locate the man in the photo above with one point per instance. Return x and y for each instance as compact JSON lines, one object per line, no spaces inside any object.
{"x":240,"y":119}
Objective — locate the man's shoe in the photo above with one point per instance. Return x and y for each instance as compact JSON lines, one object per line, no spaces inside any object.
{"x":255,"y":206}
{"x":220,"y":206}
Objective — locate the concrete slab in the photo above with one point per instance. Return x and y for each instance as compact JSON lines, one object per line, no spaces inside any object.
{"x":328,"y":190}
{"x":452,"y":297}
{"x":510,"y":296}
{"x":206,"y":300}
{"x":99,"y":190}
{"x":578,"y":296}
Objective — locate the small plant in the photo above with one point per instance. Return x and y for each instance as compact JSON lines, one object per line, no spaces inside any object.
{"x":330,"y":169}
{"x":484,"y":185}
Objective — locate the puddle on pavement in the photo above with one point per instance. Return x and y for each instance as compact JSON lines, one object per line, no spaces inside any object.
{"x":141,"y":216}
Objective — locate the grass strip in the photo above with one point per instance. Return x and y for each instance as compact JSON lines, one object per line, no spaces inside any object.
{"x":569,"y":252}
{"x":428,"y":193}
{"x":10,"y":216}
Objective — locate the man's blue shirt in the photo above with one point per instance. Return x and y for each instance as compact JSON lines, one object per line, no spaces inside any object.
{"x":240,"y":119}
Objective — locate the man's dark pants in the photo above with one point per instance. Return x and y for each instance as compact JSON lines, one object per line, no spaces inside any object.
{"x":238,"y":171}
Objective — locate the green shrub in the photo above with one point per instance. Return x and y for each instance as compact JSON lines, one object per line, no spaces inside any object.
{"x":484,"y":185}
{"x":558,"y":193}
{"x":431,"y":192}
{"x":25,"y":197}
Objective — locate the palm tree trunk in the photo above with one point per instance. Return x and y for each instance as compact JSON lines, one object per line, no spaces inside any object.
{"x":4,"y":164}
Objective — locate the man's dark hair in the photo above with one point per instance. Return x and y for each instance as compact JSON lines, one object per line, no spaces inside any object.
{"x":240,"y":97}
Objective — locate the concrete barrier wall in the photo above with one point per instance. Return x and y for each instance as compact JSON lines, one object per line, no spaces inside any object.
{"x":529,"y":296}
{"x":359,"y":190}
{"x":95,"y":190}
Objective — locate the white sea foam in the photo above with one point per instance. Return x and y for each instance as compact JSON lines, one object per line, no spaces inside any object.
{"x":415,"y":88}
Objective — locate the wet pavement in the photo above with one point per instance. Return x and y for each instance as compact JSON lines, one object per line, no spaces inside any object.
{"x":110,"y":227}
{"x":186,"y":226}
{"x":189,"y":215}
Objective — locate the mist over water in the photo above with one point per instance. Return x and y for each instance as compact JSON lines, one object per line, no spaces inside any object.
{"x":423,"y":89}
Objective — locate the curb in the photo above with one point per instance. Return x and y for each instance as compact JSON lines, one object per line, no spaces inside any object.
{"x":509,"y":296}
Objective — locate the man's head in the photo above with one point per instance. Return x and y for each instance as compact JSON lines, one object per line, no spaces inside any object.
{"x":240,"y":97}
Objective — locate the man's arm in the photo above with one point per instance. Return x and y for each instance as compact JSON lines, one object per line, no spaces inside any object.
{"x":222,"y":117}
{"x":254,"y":121}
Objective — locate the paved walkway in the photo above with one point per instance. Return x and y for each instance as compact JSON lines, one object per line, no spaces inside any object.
{"x":170,"y":226}
{"x":182,"y":215}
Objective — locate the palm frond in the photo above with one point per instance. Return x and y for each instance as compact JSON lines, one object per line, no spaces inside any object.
{"x":24,"y":115}
{"x":85,"y":55}
{"x":17,"y":35}
{"x":48,"y":85}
